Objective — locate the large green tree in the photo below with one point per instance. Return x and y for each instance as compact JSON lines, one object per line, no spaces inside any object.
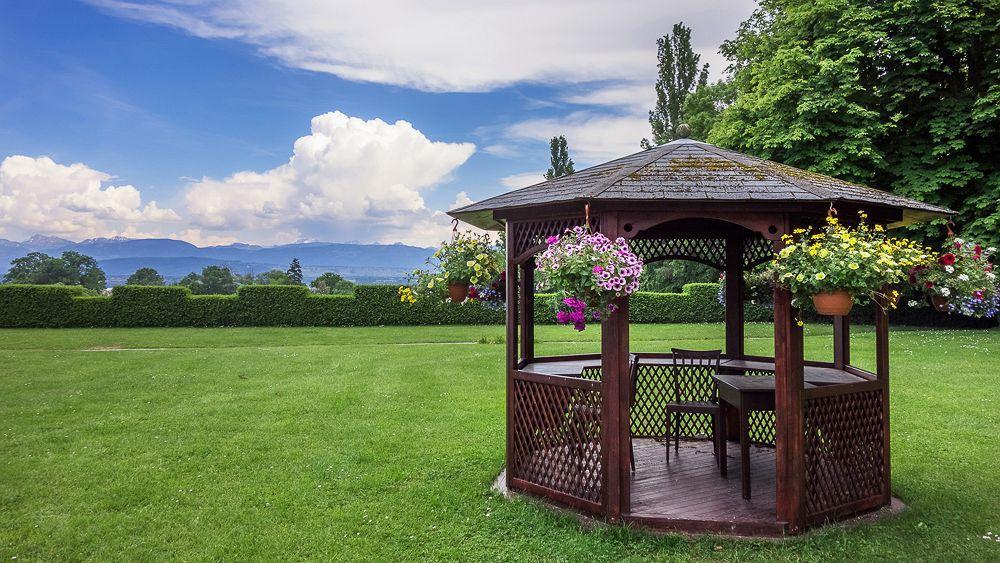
{"x":902,"y":95}
{"x":145,"y":276}
{"x":294,"y":272}
{"x":679,"y":75}
{"x":213,"y":280}
{"x":332,"y":284}
{"x":71,"y":268}
{"x":560,"y":164}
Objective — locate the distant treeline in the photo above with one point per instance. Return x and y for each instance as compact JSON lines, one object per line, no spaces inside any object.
{"x":370,"y":305}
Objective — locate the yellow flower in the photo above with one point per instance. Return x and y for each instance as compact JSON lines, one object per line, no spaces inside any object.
{"x":853,"y":266}
{"x":799,"y":323}
{"x":470,"y":263}
{"x":824,"y":253}
{"x":820,"y":276}
{"x":800,"y":277}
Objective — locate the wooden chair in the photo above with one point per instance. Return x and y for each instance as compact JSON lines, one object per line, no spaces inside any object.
{"x":694,"y":392}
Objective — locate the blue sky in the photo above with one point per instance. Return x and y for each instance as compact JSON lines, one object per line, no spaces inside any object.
{"x":170,"y":101}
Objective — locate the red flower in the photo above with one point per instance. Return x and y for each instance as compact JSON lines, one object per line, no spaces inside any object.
{"x":958,"y":245}
{"x":978,"y":250}
{"x":928,"y":284}
{"x":913,"y":279}
{"x":473,"y":292}
{"x":946,"y":259}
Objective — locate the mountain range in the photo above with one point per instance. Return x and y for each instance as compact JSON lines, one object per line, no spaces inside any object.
{"x":119,"y":257}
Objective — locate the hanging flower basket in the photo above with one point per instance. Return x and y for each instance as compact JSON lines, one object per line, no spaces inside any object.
{"x":467,"y":260}
{"x":838,"y":265}
{"x":940,"y":303}
{"x":458,"y":292}
{"x":588,"y":271}
{"x":833,"y":303}
{"x":961,"y":280}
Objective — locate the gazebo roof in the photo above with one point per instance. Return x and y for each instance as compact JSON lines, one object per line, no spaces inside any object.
{"x":692,"y":171}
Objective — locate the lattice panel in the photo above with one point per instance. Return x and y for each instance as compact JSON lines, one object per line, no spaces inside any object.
{"x":756,"y":251}
{"x":557,"y":438}
{"x":844,"y":450}
{"x":530,"y":235}
{"x":593,"y":374}
{"x":762,"y":431}
{"x":654,"y":388}
{"x":711,"y":252}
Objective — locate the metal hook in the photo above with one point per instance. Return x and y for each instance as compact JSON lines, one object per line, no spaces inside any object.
{"x":832,"y":212}
{"x":454,"y":229}
{"x":586,"y":213}
{"x":949,"y":225}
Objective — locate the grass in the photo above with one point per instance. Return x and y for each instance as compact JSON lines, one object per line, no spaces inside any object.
{"x":381,"y":443}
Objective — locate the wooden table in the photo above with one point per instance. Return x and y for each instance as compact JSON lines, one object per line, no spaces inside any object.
{"x":744,"y":393}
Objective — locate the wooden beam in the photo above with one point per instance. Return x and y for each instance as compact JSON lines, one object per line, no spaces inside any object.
{"x":882,"y":373}
{"x":735,"y":292}
{"x":511,"y":348}
{"x":789,"y":433}
{"x":841,"y":342}
{"x":527,"y":313}
{"x":615,"y":399}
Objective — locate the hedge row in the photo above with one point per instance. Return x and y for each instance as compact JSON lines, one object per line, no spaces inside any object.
{"x":46,"y":306}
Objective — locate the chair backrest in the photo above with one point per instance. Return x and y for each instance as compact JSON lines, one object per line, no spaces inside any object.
{"x":699,"y":366}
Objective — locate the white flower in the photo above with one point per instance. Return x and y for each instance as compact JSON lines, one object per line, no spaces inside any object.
{"x":949,"y":269}
{"x":945,"y":291}
{"x":913,"y":303}
{"x":991,"y":249}
{"x":963,"y":277}
{"x":991,"y":275}
{"x":960,"y":241}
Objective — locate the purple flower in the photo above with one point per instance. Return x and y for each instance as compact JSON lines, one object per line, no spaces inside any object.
{"x":598,"y":269}
{"x":552,"y":240}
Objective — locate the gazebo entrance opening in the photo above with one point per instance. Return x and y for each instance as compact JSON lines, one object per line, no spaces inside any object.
{"x":808,"y":441}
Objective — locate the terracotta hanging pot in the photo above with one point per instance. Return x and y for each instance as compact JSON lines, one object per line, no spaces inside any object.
{"x":940,"y":303}
{"x":458,"y":292}
{"x":833,"y":303}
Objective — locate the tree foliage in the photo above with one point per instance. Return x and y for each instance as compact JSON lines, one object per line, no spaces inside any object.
{"x":670,"y":276}
{"x":145,"y":276}
{"x":560,"y":164}
{"x":679,"y":75}
{"x":294,"y":272}
{"x":272,"y":277}
{"x":903,"y":95}
{"x":71,"y":268}
{"x":332,"y":284}
{"x":213,"y":280}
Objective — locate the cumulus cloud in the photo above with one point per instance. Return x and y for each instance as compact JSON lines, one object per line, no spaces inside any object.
{"x":349,"y":179}
{"x":592,"y":137}
{"x":441,"y":45}
{"x":522,"y":180}
{"x":41,"y":195}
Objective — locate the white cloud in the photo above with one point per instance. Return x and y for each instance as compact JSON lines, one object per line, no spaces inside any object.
{"x":522,"y":180}
{"x":440,"y":45}
{"x":349,"y":179}
{"x":39,"y":195}
{"x":592,"y":137}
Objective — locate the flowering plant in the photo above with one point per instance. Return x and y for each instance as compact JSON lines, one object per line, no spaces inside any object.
{"x":467,"y":259}
{"x":963,"y":276}
{"x":858,"y":260}
{"x":588,"y":271}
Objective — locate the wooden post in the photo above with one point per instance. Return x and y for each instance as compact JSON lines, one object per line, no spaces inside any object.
{"x":615,"y":396}
{"x":841,"y":341}
{"x":511,"y":346}
{"x":788,"y":400}
{"x":735,"y":291}
{"x":527,"y":313}
{"x":882,"y":372}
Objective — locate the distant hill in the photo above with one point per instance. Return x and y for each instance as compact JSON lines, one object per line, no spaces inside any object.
{"x":119,"y":257}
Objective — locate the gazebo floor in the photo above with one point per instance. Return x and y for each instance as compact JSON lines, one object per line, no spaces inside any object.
{"x":690,"y":495}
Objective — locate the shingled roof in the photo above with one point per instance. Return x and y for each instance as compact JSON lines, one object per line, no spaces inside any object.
{"x":691,"y":171}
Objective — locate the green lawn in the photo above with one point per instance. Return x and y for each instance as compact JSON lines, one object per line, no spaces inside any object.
{"x":381,"y":443}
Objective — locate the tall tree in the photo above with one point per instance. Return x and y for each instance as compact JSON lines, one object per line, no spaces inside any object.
{"x":213,"y":280}
{"x":704,"y":107}
{"x":332,"y":284}
{"x":294,"y":272}
{"x":145,"y":276}
{"x":560,"y":164}
{"x":72,"y":268}
{"x":679,"y":75}
{"x":903,"y":96}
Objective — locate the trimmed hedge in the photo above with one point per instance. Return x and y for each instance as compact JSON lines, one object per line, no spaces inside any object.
{"x":47,"y":306}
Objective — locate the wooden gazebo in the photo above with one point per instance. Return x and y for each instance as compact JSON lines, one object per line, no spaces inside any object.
{"x":818,"y":451}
